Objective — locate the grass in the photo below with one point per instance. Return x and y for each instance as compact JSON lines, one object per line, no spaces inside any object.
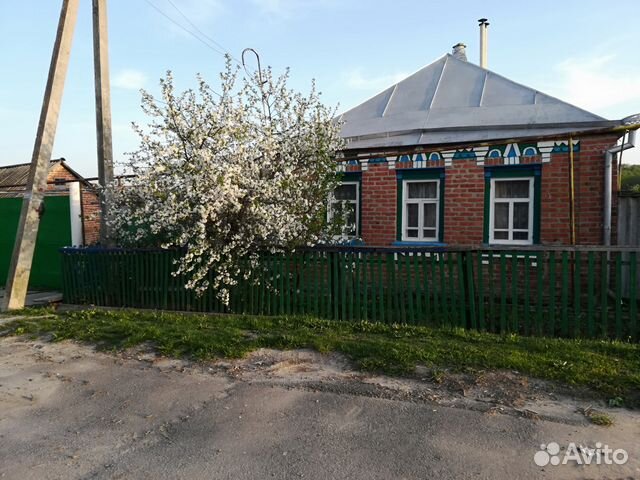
{"x":601,"y":419}
{"x":608,"y":367}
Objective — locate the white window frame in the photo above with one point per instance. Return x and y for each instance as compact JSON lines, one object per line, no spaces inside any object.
{"x":331,"y":201}
{"x":511,"y":201}
{"x":420,"y":201}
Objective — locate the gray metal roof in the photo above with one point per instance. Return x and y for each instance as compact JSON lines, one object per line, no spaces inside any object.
{"x":453,"y":101}
{"x":13,"y":178}
{"x":12,"y":175}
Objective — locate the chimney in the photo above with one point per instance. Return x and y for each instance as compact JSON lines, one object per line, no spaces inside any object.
{"x":459,"y":51}
{"x":484,"y":25}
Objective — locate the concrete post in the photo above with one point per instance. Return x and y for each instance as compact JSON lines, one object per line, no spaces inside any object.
{"x":20,"y":268}
{"x":103,"y":108}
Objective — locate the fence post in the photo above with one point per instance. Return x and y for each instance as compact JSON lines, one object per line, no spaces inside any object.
{"x":633,"y":292}
{"x":354,"y":284}
{"x":471,"y":290}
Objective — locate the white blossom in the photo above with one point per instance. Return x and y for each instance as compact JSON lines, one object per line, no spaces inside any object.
{"x":224,"y":178}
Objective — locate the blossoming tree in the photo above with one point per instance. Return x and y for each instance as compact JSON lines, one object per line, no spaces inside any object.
{"x":225,"y":176}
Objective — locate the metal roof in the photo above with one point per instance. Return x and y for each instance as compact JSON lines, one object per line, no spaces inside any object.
{"x":13,"y":178}
{"x":453,"y":101}
{"x":12,"y":175}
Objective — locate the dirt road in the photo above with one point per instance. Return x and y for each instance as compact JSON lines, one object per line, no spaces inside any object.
{"x":67,"y":411}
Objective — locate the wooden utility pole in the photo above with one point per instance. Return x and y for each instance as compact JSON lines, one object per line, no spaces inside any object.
{"x":20,"y":268}
{"x":103,"y":108}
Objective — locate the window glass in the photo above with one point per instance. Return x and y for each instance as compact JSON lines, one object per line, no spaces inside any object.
{"x":512,"y":189}
{"x":422,"y":190}
{"x":521,"y":215}
{"x":511,"y":211}
{"x":420,"y":210}
{"x":350,"y":223}
{"x":501,"y":216}
{"x":430,"y":215}
{"x":347,"y":191}
{"x":343,"y":206}
{"x":412,"y":214}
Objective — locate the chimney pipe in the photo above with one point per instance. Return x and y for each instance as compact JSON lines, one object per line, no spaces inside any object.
{"x":484,"y":24}
{"x":459,"y":51}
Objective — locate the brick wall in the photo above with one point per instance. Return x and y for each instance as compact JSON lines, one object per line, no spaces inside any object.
{"x":464,"y":198}
{"x":463,"y":202}
{"x":88,"y":198}
{"x":58,"y":172}
{"x":589,"y":194}
{"x":90,"y":215}
{"x":555,"y":214}
{"x":589,"y":181}
{"x":379,"y":203}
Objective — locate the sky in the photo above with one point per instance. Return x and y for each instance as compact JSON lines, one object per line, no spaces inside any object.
{"x":584,"y":52}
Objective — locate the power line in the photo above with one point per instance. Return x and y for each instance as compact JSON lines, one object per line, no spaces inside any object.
{"x":201,"y":32}
{"x":214,"y":45}
{"x":190,"y":32}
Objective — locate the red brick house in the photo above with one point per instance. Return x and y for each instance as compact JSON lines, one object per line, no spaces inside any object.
{"x":62,"y":181}
{"x":457,"y":154}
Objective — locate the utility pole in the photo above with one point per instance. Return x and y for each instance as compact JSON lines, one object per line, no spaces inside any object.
{"x":103,"y":108}
{"x":20,"y":268}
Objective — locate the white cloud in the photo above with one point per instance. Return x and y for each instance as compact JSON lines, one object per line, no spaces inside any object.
{"x":605,"y":84}
{"x":129,"y":79}
{"x":357,"y":80}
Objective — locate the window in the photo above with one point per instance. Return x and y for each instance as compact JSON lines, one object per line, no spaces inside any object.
{"x":60,"y":184}
{"x":511,"y":211}
{"x":344,"y":204}
{"x":420,"y":210}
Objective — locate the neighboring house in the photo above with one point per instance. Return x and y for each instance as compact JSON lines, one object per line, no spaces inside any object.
{"x":62,"y":180}
{"x":457,"y":154}
{"x":71,"y":216}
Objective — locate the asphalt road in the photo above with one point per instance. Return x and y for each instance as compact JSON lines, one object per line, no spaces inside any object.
{"x":69,"y":412}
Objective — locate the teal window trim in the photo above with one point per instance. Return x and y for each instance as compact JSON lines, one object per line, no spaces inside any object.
{"x":420,"y":174}
{"x":355,"y":177}
{"x":514,"y":171}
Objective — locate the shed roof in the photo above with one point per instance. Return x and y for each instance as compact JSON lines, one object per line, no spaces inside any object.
{"x":17,"y":175}
{"x":14,"y":178}
{"x":452,"y":101}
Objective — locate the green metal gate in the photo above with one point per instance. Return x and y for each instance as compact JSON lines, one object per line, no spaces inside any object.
{"x":53,"y":234}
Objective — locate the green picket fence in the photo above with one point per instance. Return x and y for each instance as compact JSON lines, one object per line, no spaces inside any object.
{"x":552,"y":291}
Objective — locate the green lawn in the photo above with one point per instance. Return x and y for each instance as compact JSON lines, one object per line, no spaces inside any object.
{"x":610,"y":368}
